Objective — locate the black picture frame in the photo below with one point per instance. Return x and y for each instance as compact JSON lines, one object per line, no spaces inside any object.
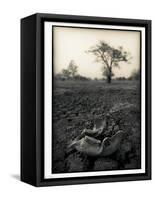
{"x":32,"y":99}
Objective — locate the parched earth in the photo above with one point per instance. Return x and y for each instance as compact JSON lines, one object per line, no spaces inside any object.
{"x":77,"y":105}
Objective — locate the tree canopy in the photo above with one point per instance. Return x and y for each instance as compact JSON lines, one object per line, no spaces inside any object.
{"x":110,"y":57}
{"x":72,"y":68}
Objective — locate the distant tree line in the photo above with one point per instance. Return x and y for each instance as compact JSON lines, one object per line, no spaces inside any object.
{"x":135,"y":75}
{"x":71,"y":73}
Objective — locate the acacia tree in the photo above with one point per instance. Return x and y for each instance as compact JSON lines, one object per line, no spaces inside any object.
{"x":66,"y":73}
{"x":110,"y":57}
{"x":72,"y":68}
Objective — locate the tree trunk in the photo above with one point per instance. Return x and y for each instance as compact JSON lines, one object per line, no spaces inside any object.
{"x":108,"y":79}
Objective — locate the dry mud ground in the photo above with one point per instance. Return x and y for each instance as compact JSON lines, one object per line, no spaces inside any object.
{"x":76,"y":103}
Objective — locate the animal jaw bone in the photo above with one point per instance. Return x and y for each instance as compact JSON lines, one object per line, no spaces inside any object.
{"x":93,"y":147}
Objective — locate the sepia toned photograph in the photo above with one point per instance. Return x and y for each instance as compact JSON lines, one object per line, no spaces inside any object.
{"x":96,"y":110}
{"x":86,"y":99}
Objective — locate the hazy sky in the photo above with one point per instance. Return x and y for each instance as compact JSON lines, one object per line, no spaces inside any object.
{"x":72,"y":44}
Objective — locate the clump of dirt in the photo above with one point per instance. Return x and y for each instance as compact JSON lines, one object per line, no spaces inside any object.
{"x":105,"y":164}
